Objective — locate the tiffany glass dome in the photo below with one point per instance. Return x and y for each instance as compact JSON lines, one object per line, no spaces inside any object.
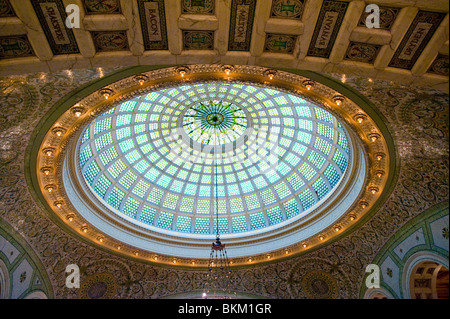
{"x":151,"y":160}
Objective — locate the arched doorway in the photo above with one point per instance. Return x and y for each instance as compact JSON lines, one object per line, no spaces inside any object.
{"x":429,"y":280}
{"x":378,"y":293}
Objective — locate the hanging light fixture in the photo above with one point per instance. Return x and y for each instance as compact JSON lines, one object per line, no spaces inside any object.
{"x":218,"y":283}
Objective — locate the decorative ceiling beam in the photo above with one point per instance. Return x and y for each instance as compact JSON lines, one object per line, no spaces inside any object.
{"x":372,"y":36}
{"x":198,"y":22}
{"x":173,"y":11}
{"x":82,"y":34}
{"x":432,"y":49}
{"x":36,"y":35}
{"x":223,"y":13}
{"x":351,"y":19}
{"x":104,"y":22}
{"x":262,"y":11}
{"x":11,"y":26}
{"x":310,"y":16}
{"x":133,"y":27}
{"x":398,"y":31}
{"x":289,"y":26}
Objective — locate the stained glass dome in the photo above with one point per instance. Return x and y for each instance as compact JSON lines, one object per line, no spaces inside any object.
{"x":152,"y":159}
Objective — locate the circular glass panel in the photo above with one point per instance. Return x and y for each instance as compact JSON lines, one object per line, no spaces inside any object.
{"x":277,"y":156}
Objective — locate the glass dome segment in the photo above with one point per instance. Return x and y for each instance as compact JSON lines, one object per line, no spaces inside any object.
{"x":152,"y":159}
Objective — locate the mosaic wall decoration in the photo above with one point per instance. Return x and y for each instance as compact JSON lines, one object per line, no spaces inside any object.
{"x":327,"y":27}
{"x":6,"y":9}
{"x":387,"y":17}
{"x":198,"y":40}
{"x":289,"y":9}
{"x":15,"y":46}
{"x":280,"y":43}
{"x":362,"y":52}
{"x":102,"y":6}
{"x":110,"y":40}
{"x":440,"y":65}
{"x":416,"y":38}
{"x":241,"y":24}
{"x":198,"y":6}
{"x":98,"y":286}
{"x":52,"y":16}
{"x":153,"y":24}
{"x":320,"y":285}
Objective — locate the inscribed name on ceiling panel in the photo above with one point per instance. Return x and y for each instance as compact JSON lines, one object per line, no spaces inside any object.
{"x":327,"y":27}
{"x":417,"y":37}
{"x":52,"y":16}
{"x":241,"y":24}
{"x":153,"y":24}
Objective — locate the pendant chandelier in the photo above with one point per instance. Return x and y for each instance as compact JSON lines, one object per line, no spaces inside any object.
{"x":218,"y":283}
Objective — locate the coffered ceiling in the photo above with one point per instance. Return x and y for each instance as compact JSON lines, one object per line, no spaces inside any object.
{"x":410,"y":47}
